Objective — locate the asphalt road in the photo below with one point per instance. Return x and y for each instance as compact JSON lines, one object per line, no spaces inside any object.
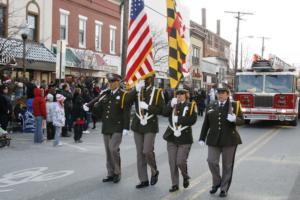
{"x":267,"y":167}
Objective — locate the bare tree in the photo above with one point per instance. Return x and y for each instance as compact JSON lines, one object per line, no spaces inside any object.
{"x":245,"y":57}
{"x":160,"y":46}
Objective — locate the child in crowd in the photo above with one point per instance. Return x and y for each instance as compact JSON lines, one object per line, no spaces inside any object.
{"x":50,"y":111}
{"x":58,"y":118}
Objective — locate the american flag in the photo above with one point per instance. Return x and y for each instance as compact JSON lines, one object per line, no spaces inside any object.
{"x":139,"y":56}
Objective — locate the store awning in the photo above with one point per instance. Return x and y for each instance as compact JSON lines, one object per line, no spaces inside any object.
{"x":35,"y":52}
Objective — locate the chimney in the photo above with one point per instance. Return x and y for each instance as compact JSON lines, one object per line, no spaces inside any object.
{"x":204,"y":17}
{"x":218,"y":27}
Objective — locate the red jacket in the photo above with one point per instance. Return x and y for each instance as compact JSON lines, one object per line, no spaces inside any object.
{"x":39,"y":104}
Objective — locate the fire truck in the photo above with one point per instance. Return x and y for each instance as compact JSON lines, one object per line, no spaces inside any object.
{"x":269,"y":91}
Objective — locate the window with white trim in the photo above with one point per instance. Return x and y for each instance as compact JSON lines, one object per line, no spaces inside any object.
{"x":64,"y":24}
{"x":82,"y":31}
{"x":32,"y":25}
{"x":98,"y":35}
{"x":112,"y":39}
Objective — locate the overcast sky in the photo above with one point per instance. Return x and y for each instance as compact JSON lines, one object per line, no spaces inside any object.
{"x":278,"y":20}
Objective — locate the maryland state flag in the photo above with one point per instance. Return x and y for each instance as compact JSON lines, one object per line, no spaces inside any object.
{"x":178,"y":48}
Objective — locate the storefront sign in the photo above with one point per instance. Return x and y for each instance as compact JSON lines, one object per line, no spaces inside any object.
{"x":7,"y":59}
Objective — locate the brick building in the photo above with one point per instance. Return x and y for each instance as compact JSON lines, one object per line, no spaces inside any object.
{"x":210,"y":54}
{"x":92,"y":31}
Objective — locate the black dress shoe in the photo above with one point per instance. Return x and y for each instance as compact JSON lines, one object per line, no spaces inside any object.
{"x":214,"y":189}
{"x":223,"y":194}
{"x":142,"y":184}
{"x":186,"y":182}
{"x":154,"y":178}
{"x":108,"y":179}
{"x":116,"y":178}
{"x":174,"y":188}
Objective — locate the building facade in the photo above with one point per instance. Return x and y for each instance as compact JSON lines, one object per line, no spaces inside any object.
{"x":216,"y":54}
{"x":92,"y":31}
{"x":197,"y":40}
{"x":26,"y":38}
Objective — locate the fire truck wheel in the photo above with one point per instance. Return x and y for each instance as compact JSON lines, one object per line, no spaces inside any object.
{"x":2,"y":143}
{"x":247,"y":121}
{"x":294,"y":122}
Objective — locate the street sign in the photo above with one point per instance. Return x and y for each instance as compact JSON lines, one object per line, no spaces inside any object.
{"x":61,"y":59}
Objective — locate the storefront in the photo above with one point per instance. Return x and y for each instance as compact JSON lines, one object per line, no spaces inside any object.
{"x":39,"y":61}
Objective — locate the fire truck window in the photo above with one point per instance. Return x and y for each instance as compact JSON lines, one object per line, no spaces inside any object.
{"x":279,"y":83}
{"x":250,"y":83}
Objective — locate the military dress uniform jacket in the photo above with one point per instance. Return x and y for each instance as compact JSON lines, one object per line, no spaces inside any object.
{"x":155,"y":108}
{"x":216,"y":129}
{"x":115,"y":114}
{"x":187,"y":116}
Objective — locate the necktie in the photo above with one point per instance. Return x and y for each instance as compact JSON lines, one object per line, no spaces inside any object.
{"x":222,"y":105}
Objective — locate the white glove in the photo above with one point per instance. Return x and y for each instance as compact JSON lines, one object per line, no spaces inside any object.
{"x":201,"y":142}
{"x":177,"y":133}
{"x":125,"y":132}
{"x":140,"y":85}
{"x":144,"y":105}
{"x":85,"y":107}
{"x":173,"y":102}
{"x":231,"y":117}
{"x":175,"y":119}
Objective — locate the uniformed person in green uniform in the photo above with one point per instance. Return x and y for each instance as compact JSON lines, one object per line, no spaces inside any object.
{"x":115,"y":115}
{"x":149,"y":103}
{"x":182,"y":115}
{"x":219,"y":132}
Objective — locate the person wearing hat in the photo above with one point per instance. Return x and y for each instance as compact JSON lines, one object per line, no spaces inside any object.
{"x":219,"y":132}
{"x":115,"y":115}
{"x":149,"y":102}
{"x":58,"y":118}
{"x":182,"y":115}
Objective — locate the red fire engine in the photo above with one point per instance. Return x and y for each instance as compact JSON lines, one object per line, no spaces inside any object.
{"x":269,"y":91}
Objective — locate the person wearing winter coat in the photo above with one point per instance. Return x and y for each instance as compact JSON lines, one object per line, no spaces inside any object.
{"x":50,"y":112}
{"x":58,"y":118}
{"x":68,"y":109}
{"x":40,"y":114}
{"x":88,"y":115}
{"x":78,"y":115}
{"x":5,"y":107}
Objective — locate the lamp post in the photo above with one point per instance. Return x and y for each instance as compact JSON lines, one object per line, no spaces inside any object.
{"x":241,"y":61}
{"x":263,"y":45}
{"x":24,"y":37}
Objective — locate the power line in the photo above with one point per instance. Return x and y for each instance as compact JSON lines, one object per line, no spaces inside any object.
{"x":155,"y":11}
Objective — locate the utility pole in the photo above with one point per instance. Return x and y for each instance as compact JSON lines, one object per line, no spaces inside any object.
{"x":238,"y":17}
{"x":124,"y":35}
